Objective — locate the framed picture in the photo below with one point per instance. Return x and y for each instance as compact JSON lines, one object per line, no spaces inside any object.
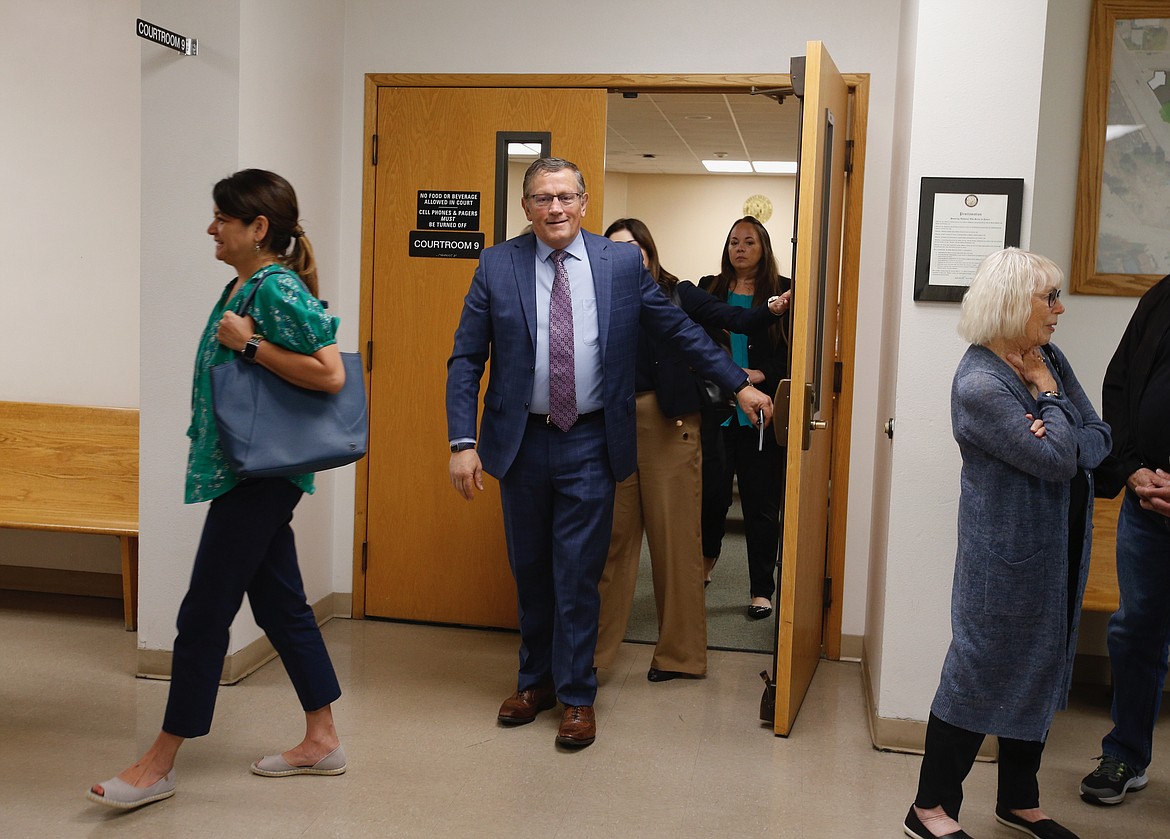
{"x":1121,"y":241}
{"x":960,"y":222}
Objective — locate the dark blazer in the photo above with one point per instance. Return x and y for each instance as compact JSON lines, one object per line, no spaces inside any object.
{"x":499,"y":321}
{"x":1125,"y":381}
{"x":674,"y":381}
{"x":769,"y":358}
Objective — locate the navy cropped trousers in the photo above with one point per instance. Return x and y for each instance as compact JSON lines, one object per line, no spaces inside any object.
{"x":247,"y":547}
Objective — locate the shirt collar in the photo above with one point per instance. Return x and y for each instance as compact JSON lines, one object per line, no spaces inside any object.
{"x":575,"y":248}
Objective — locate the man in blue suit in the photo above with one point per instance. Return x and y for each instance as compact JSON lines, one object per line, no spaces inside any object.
{"x":558,"y":462}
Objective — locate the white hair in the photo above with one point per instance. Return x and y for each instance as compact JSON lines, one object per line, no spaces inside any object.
{"x":998,"y":303}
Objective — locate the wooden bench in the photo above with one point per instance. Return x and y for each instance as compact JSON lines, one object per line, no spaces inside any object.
{"x":73,"y":469}
{"x":1101,"y":589}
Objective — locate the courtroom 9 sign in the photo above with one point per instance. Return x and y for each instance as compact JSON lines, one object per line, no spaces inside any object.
{"x":446,"y":223}
{"x":446,"y":244}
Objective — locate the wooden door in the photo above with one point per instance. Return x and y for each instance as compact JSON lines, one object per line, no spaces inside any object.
{"x":430,"y":555}
{"x":814,"y":342}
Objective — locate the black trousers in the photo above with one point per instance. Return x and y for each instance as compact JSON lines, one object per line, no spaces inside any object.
{"x":733,"y":452}
{"x":950,"y":754}
{"x":247,"y":546}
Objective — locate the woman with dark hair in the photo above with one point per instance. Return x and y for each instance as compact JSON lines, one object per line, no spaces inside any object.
{"x":663,"y":498}
{"x":1029,"y":440}
{"x":731,"y":447}
{"x":247,"y":544}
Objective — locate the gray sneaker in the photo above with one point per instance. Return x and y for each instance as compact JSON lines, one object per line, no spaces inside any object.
{"x":1111,"y":780}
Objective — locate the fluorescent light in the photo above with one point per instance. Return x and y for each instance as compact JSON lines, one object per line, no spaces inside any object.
{"x":775,"y":167}
{"x":524,"y":149}
{"x":727,"y":165}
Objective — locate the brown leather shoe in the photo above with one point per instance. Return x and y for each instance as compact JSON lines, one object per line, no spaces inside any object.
{"x":523,"y":706}
{"x":578,"y":727}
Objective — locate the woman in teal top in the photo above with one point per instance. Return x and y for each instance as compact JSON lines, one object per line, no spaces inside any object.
{"x":247,"y":544}
{"x":731,"y":444}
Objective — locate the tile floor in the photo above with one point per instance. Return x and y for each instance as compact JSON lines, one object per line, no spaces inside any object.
{"x":677,"y":759}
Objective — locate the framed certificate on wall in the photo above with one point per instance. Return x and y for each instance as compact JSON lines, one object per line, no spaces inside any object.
{"x":960,"y":222}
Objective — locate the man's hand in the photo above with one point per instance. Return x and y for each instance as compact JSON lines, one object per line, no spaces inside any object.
{"x":753,"y":403}
{"x":1152,"y":489}
{"x":466,"y":473}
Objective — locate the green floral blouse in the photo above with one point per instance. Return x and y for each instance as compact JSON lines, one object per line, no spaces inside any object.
{"x":286,"y":314}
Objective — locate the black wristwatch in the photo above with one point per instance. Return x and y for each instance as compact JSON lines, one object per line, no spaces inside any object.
{"x":461,"y":447}
{"x":250,"y":349}
{"x":746,"y":383}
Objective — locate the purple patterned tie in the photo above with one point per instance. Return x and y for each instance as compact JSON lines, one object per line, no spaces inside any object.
{"x":562,"y":379}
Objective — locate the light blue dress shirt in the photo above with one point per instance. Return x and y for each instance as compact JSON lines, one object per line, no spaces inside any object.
{"x":586,"y":347}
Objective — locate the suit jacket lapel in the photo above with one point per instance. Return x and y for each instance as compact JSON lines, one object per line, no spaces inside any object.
{"x":599,"y":263}
{"x":524,"y":270}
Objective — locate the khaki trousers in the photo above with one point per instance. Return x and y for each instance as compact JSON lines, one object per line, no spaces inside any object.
{"x":664,"y":498}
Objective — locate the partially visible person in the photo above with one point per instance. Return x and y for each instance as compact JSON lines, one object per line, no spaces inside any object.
{"x":247,"y":544}
{"x":559,"y":311}
{"x":1029,"y":439}
{"x":731,"y":450}
{"x":663,"y":498}
{"x":1136,"y":404}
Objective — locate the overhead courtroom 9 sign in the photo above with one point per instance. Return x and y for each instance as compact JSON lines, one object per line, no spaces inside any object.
{"x":167,"y":38}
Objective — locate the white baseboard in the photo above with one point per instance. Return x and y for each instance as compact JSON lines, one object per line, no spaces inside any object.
{"x":156,"y":664}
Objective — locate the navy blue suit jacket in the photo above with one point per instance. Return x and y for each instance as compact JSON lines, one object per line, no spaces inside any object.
{"x":499,"y":322}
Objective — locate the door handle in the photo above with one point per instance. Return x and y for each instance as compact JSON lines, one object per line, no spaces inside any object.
{"x":813,"y":424}
{"x":780,"y":406}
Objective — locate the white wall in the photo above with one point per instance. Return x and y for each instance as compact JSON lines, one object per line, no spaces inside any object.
{"x":69,"y":176}
{"x":991,"y":69}
{"x":261,"y":93}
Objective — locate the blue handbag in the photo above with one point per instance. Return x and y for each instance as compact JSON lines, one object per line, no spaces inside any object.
{"x":269,"y":427}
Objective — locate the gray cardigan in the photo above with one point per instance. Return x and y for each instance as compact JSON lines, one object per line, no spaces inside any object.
{"x":1009,"y":665}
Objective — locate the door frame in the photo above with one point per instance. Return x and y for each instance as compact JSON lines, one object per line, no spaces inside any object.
{"x":858,"y":84}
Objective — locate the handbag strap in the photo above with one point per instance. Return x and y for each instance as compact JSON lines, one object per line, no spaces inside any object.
{"x":259,"y":282}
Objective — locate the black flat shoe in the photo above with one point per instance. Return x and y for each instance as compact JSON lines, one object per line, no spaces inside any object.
{"x":656,"y":675}
{"x":1043,"y":829}
{"x":758,"y":612}
{"x":913,"y":826}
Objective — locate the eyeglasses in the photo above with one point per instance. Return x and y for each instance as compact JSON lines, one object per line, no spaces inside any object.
{"x":567,"y":199}
{"x":1051,"y":297}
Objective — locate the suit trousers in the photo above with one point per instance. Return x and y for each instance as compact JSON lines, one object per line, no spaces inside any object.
{"x":735,"y":453}
{"x":247,"y":547}
{"x":950,"y":754}
{"x":557,"y":498}
{"x":663,"y":499}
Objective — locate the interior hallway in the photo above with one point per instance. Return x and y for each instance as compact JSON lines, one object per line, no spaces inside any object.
{"x":677,"y":759}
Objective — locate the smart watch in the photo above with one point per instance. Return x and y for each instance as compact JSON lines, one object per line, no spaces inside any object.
{"x":250,"y":349}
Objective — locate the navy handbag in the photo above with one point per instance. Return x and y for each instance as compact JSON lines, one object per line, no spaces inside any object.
{"x":269,"y":427}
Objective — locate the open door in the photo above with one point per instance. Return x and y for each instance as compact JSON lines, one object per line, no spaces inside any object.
{"x":429,"y":555}
{"x":816,"y":275}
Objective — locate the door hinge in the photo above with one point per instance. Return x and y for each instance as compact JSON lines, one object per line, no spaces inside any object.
{"x":848,"y":157}
{"x":828,"y":593}
{"x":365,"y":555}
{"x":369,"y":356}
{"x":838,"y":372}
{"x":374,"y":150}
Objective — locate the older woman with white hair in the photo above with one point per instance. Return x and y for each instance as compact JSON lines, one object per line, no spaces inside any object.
{"x":1029,"y":438}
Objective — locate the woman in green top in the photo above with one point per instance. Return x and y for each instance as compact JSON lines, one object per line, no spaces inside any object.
{"x":731,"y":444}
{"x":247,"y":543}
